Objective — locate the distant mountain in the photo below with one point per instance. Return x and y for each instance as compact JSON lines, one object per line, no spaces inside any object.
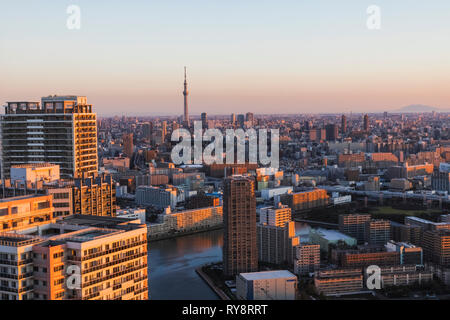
{"x":419,"y":108}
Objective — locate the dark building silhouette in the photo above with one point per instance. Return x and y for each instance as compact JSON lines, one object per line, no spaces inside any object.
{"x":240,"y":251}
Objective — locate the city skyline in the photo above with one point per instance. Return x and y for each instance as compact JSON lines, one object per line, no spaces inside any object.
{"x":254,"y":57}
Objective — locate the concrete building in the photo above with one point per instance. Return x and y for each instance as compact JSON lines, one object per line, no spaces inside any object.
{"x":159,"y":197}
{"x":240,"y":249}
{"x":108,"y":257}
{"x":307,"y":258}
{"x":276,"y":243}
{"x":34,"y":172}
{"x":25,"y":211}
{"x":275,"y":216}
{"x":378,"y":232}
{"x":270,"y":193}
{"x":338,"y":281}
{"x":195,"y":219}
{"x":62,"y":201}
{"x":62,"y":131}
{"x":354,"y":225}
{"x":267,"y":285}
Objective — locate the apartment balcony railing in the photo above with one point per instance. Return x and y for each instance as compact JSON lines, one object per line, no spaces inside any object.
{"x":113,"y":275}
{"x":105,"y":252}
{"x":111,"y":263}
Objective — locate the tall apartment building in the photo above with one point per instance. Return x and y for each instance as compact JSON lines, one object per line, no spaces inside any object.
{"x":240,"y":250}
{"x":61,"y":130}
{"x":354,"y":225}
{"x":276,"y":244}
{"x":305,"y":200}
{"x":378,"y":232}
{"x":436,"y":246}
{"x":94,"y":195}
{"x":25,"y":211}
{"x":307,"y":258}
{"x":108,"y":257}
{"x":275,"y":216}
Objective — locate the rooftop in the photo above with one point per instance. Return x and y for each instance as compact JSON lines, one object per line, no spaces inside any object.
{"x":331,"y":235}
{"x":268,"y":275}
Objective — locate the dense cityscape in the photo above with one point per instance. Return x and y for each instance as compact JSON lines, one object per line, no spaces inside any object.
{"x":211,"y":159}
{"x":84,"y":199}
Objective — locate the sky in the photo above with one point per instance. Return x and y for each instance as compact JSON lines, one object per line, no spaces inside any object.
{"x":283,"y":56}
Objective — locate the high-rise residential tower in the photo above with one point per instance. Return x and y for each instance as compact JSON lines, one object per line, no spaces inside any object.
{"x":128,"y":146}
{"x":61,"y":130}
{"x":240,"y":251}
{"x":366,"y":123}
{"x":204,"y":120}
{"x":343,"y":124}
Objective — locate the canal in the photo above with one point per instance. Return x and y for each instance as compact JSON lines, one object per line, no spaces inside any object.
{"x":172,"y":265}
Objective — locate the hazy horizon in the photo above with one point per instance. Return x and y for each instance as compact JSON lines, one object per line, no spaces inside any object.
{"x":265,"y":57}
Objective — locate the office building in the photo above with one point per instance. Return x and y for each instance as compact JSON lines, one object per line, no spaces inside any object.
{"x":332,"y":132}
{"x":305,"y":200}
{"x":94,"y":195}
{"x":307,"y":258}
{"x":240,"y":249}
{"x":276,"y":243}
{"x":275,"y":216}
{"x":159,"y":197}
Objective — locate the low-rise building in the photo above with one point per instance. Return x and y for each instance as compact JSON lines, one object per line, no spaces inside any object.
{"x":338,"y":281}
{"x":266,"y":285}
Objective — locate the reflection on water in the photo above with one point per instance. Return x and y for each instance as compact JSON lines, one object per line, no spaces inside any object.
{"x":172,"y":264}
